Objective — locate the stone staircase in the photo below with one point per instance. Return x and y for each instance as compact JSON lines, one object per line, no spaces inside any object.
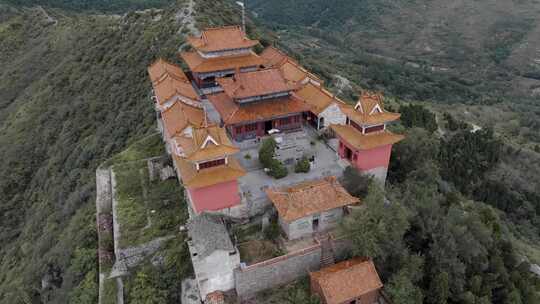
{"x":327,"y":251}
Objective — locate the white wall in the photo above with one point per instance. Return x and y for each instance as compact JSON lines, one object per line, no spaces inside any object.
{"x":215,"y":272}
{"x":304,"y":226}
{"x":300,"y":228}
{"x":333,"y":115}
{"x":330,"y":218}
{"x":378,"y":173}
{"x":216,"y":54}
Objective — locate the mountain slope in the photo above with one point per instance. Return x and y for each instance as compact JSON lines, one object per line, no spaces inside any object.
{"x":73,"y":91}
{"x":461,"y":52}
{"x":453,"y":34}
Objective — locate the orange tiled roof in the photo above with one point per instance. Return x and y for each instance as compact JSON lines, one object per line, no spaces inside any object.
{"x":256,"y":83}
{"x":365,"y":141}
{"x":192,"y":178}
{"x":291,"y":70}
{"x":198,"y":64}
{"x":232,"y":113}
{"x":170,"y":86}
{"x":162,"y":68}
{"x":365,"y":112}
{"x":222,"y":38}
{"x":309,"y":197}
{"x":273,"y":57}
{"x":206,"y":143}
{"x":215,"y":297}
{"x":179,"y":116}
{"x":317,"y":98}
{"x":294,"y":72}
{"x":347,"y":280}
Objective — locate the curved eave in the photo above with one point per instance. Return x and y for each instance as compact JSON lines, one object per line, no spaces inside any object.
{"x":369,"y":141}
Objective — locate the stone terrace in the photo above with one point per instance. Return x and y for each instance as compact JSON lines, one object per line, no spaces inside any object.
{"x":302,"y":143}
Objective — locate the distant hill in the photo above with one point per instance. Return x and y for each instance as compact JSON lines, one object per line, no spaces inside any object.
{"x":487,"y":45}
{"x":118,"y":6}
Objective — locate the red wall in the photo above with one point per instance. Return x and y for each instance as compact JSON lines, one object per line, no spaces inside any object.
{"x":215,"y":197}
{"x":378,"y":157}
{"x":368,"y":159}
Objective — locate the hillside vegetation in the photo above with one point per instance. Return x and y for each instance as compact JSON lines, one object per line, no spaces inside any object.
{"x":73,"y":92}
{"x":460,"y":52}
{"x":118,"y":6}
{"x":471,"y":37}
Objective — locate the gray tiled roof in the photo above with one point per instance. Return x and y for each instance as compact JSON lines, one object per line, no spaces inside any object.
{"x":208,"y":234}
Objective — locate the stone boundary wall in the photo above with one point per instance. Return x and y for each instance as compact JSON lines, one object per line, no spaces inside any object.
{"x":284,"y":269}
{"x":277,"y":271}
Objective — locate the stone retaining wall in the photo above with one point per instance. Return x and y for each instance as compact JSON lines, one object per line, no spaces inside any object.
{"x":284,"y":269}
{"x":277,"y":271}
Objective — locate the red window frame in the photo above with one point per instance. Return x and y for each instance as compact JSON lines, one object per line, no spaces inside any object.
{"x":374,"y":129}
{"x":252,"y":127}
{"x":212,"y":163}
{"x":356,"y":126}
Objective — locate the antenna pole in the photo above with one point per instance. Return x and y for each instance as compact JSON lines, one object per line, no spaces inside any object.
{"x":243,"y":5}
{"x":244,"y":15}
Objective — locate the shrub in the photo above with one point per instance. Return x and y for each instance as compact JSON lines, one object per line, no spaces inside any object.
{"x":355,"y":182}
{"x":272,"y":231}
{"x":302,"y":166}
{"x":277,"y":169}
{"x":266,"y":152}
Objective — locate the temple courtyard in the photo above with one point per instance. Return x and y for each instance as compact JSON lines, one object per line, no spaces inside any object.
{"x":293,"y":146}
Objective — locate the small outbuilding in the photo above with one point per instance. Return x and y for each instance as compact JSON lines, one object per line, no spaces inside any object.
{"x":310,"y":206}
{"x":353,"y":281}
{"x":213,"y":254}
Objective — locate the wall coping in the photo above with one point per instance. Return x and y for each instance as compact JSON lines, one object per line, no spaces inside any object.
{"x":282,"y":257}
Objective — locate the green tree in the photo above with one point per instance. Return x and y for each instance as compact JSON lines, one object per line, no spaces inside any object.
{"x":402,"y":290}
{"x":411,"y":153}
{"x":467,"y":156}
{"x":415,"y":115}
{"x":266,"y":152}
{"x":277,"y":169}
{"x":376,"y":229}
{"x":302,"y":165}
{"x":440,"y":289}
{"x":356,"y":183}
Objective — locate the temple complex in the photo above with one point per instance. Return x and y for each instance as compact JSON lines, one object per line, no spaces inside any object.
{"x":212,"y":118}
{"x":364,"y":140}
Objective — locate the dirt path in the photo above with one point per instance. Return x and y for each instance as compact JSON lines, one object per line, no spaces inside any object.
{"x":47,"y":16}
{"x":185,"y":16}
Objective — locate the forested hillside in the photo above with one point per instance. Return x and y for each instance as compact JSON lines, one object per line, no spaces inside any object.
{"x":496,"y":39}
{"x":466,"y":185}
{"x":118,"y":6}
{"x":467,"y":52}
{"x":73,"y":91}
